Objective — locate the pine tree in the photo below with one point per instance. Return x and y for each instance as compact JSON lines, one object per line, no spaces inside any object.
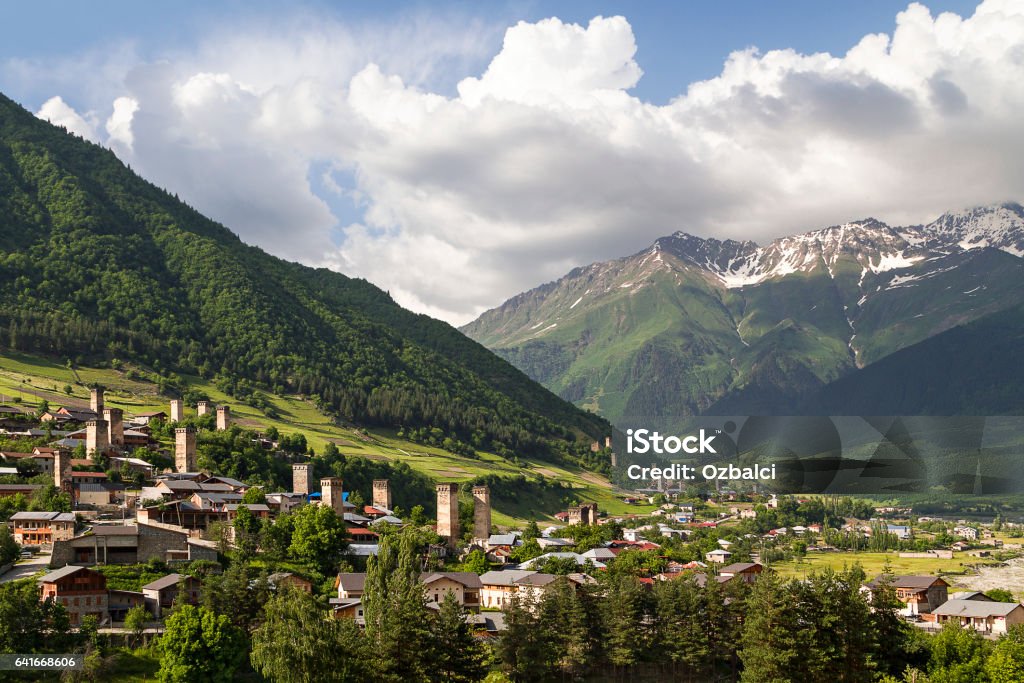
{"x":395,"y":610}
{"x":456,"y":655}
{"x":623,"y":613}
{"x":680,"y":618}
{"x":770,"y":649}
{"x":563,"y":615}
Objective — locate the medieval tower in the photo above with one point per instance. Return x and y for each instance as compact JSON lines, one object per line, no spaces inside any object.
{"x":382,"y":494}
{"x":177,"y":410}
{"x":96,"y":400}
{"x":300,"y":477}
{"x":115,"y":425}
{"x":185,"y":449}
{"x":96,"y":440}
{"x":331,"y":494}
{"x":448,"y":512}
{"x":223,"y":418}
{"x":481,"y":513}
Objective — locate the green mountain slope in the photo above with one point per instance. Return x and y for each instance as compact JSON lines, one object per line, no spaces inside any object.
{"x":972,"y":369}
{"x":697,"y":326}
{"x":99,"y":265}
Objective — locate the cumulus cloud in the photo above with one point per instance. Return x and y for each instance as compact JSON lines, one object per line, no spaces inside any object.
{"x":60,"y":113}
{"x":473,"y":191}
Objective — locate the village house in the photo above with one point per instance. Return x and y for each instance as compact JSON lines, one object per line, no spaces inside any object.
{"x":499,"y":586}
{"x":718,"y":556}
{"x":350,"y":585}
{"x":966,"y":532}
{"x":986,"y":616}
{"x":599,"y":556}
{"x":580,"y":560}
{"x":42,"y":461}
{"x":746,"y":572}
{"x":161,"y":594}
{"x":41,"y":528}
{"x":80,"y":590}
{"x":119,"y":602}
{"x":919,"y":594}
{"x":465,"y":586}
{"x":280,"y":579}
{"x":7,"y":490}
{"x":133,"y":464}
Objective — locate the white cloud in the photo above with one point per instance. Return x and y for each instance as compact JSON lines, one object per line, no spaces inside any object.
{"x":476,"y":189}
{"x":119,"y":125}
{"x":60,"y":113}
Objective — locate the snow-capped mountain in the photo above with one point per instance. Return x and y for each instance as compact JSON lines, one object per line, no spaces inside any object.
{"x":693,"y":324}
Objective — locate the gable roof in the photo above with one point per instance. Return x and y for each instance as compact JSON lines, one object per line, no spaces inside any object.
{"x":501,"y":539}
{"x":467,"y":579}
{"x":351,"y":581}
{"x":975,"y":608}
{"x":739,"y":568}
{"x":910,"y":582}
{"x":58,"y":574}
{"x":168,"y":581}
{"x":506,"y":577}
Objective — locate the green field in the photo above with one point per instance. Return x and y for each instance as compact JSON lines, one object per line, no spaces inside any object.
{"x":874,"y":563}
{"x":33,"y":379}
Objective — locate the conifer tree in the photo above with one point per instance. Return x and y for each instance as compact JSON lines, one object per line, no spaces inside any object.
{"x":456,"y":655}
{"x":770,"y":648}
{"x":395,"y":610}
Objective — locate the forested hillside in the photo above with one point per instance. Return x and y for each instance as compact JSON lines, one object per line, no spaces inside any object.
{"x":99,"y":265}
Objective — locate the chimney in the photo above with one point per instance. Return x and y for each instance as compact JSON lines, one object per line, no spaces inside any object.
{"x":185,"y":449}
{"x":115,"y":425}
{"x":382,"y":494}
{"x":203,"y":408}
{"x":96,"y":400}
{"x":96,"y":436}
{"x":300,"y":478}
{"x":481,"y":513}
{"x":223,"y":418}
{"x":177,"y":410}
{"x":331,"y":494}
{"x":448,"y":512}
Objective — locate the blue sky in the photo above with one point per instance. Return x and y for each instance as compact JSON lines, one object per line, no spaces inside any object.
{"x":679,"y":42}
{"x":459,"y":153}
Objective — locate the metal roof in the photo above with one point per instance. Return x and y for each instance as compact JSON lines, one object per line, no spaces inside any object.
{"x":975,"y":608}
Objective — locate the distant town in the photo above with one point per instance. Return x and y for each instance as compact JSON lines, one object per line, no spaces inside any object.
{"x":117,"y":546}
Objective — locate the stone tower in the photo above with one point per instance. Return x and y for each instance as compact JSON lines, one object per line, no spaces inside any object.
{"x":96,"y":400}
{"x":177,"y":410}
{"x":62,"y":469}
{"x":300,"y":477}
{"x":203,"y":408}
{"x":382,"y":494}
{"x":115,"y":425}
{"x":223,"y":418}
{"x":331,"y":494}
{"x":607,"y":442}
{"x":575,"y":515}
{"x":481,"y":512}
{"x":185,"y":449}
{"x":96,"y":436}
{"x":448,"y":512}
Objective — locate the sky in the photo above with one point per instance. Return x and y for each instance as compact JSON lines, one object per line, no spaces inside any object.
{"x":456,"y":154}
